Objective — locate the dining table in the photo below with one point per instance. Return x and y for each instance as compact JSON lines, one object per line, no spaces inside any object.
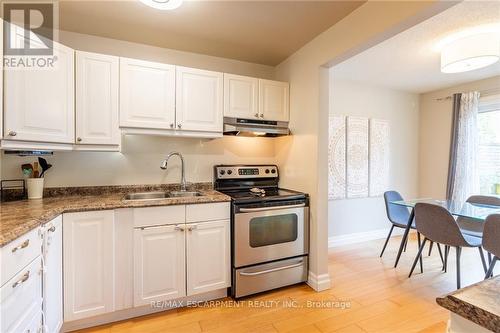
{"x":473,"y":211}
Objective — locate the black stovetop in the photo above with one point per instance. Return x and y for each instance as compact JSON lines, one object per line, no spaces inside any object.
{"x":266,"y":194}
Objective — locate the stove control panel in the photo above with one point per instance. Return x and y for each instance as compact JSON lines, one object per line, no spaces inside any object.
{"x":246,"y":171}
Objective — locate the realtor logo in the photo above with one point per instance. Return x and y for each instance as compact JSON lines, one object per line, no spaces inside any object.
{"x":29,"y":32}
{"x":28,"y":28}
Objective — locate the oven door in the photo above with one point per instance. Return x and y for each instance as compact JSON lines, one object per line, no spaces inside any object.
{"x":270,"y":233}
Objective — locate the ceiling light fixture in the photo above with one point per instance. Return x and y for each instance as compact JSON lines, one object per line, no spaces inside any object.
{"x":163,"y":4}
{"x":470,"y":52}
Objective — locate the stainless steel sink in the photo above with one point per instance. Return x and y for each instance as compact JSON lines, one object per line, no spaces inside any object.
{"x":160,"y":195}
{"x":176,"y":194}
{"x":146,"y":196}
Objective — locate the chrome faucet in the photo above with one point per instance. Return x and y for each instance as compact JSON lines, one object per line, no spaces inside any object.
{"x":183,"y":177}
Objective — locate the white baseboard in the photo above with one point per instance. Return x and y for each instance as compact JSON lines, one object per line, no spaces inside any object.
{"x":318,"y":282}
{"x":359,"y":237}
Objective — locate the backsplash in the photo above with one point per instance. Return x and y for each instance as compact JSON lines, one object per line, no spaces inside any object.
{"x":139,"y":161}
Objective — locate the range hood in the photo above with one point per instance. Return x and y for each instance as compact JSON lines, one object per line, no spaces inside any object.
{"x":251,"y":127}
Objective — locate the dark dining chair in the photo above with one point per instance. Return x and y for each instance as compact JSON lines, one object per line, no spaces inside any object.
{"x":436,"y":224}
{"x":397,"y":215}
{"x":471,"y":227}
{"x":491,"y":240}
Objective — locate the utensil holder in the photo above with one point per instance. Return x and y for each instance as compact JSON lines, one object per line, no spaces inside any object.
{"x":35,"y":188}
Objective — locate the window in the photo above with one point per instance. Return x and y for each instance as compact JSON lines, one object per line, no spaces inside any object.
{"x":489,"y":145}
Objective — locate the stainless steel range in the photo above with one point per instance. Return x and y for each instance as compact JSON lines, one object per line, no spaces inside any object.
{"x":269,"y":228}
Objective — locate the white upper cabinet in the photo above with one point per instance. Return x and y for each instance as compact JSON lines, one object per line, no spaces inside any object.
{"x":88,"y":261}
{"x":147,"y":94}
{"x":241,"y":96}
{"x":274,"y":100}
{"x":208,"y":256}
{"x":159,"y":264}
{"x":199,"y":101}
{"x":39,"y":103}
{"x":97,"y":99}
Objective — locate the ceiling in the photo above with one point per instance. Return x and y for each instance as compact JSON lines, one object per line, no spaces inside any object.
{"x":263,"y":32}
{"x":410,"y":62}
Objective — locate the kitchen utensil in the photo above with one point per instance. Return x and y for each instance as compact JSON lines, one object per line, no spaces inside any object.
{"x":44,"y":165}
{"x":35,"y":188}
{"x":27,"y":170}
{"x":36,"y":173}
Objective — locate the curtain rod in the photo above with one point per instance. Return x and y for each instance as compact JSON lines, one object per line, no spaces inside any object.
{"x":482,"y":92}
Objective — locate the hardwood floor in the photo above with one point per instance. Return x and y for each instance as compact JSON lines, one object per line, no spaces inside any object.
{"x":367,"y":295}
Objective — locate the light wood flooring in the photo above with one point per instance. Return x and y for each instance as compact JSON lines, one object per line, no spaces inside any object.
{"x":378,"y":298}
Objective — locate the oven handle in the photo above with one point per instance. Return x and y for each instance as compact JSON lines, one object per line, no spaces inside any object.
{"x":261,"y":209}
{"x":272,"y":269}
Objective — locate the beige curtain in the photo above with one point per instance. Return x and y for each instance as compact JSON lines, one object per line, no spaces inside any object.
{"x":463,"y":179}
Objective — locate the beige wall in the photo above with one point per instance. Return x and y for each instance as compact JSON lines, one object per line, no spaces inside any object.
{"x":303,"y":157}
{"x":141,"y":156}
{"x":401,"y":110}
{"x":139,"y":161}
{"x":435,"y":135}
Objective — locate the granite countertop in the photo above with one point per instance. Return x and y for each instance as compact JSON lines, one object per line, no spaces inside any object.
{"x":479,"y":303}
{"x":22,"y":216}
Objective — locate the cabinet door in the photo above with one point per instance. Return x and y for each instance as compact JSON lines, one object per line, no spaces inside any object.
{"x":88,"y":240}
{"x":52,"y":277}
{"x":21,"y":299}
{"x":241,"y":96}
{"x":199,"y":100}
{"x":208,"y":256}
{"x":39,"y":103}
{"x":159,"y":264}
{"x":97,"y":99}
{"x":147,"y":94}
{"x":274,"y":100}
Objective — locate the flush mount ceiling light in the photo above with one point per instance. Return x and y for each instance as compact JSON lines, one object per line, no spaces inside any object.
{"x":163,"y":4}
{"x":470,"y":52}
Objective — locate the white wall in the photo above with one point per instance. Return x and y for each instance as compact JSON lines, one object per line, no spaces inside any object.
{"x":401,"y":109}
{"x":435,"y":135}
{"x":141,"y":156}
{"x":304,"y":156}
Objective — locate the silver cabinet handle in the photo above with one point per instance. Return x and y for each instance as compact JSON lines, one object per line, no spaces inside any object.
{"x":79,"y":139}
{"x":272,"y":270}
{"x":179,"y":125}
{"x":262,"y":115}
{"x":23,"y":279}
{"x":192,"y":227}
{"x":12,"y":133}
{"x":256,"y":115}
{"x":22,"y":246}
{"x":180,"y":228}
{"x":52,"y":228}
{"x":260,"y":209}
{"x":171,"y":125}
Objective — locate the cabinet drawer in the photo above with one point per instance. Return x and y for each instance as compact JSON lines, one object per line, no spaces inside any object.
{"x":19,"y":253}
{"x":21,"y":299}
{"x":153,"y":216}
{"x":207,"y":212}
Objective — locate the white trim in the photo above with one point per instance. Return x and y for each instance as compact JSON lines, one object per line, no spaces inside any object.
{"x":318,"y":282}
{"x":170,"y":132}
{"x":359,"y":237}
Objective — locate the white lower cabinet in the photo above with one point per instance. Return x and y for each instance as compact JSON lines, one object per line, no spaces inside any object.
{"x":52,"y":276}
{"x":159,"y":264}
{"x":208,"y":256}
{"x":88,"y":247}
{"x":21,"y":300}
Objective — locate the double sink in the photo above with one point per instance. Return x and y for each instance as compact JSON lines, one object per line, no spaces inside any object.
{"x":160,"y":195}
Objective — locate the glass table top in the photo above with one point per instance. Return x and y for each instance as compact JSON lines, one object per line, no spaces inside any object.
{"x":474,"y":211}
